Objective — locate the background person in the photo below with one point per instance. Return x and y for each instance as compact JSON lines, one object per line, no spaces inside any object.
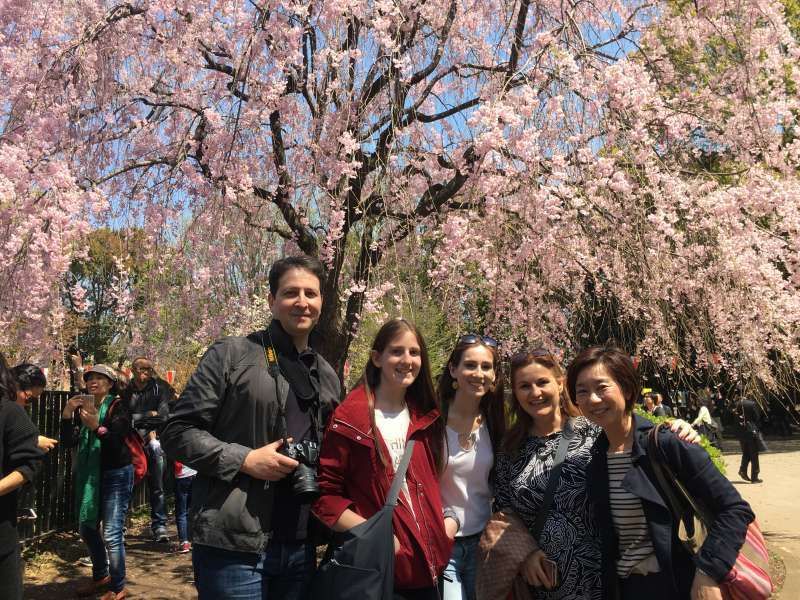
{"x":749,"y":432}
{"x":31,"y":382}
{"x":251,"y":533}
{"x":103,"y":478}
{"x":661,"y":409}
{"x":147,"y":395}
{"x":19,"y":459}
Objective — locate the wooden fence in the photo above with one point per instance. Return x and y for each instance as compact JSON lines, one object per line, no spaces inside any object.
{"x":51,"y":495}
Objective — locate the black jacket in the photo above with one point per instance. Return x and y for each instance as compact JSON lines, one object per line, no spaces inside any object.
{"x":114,"y":453}
{"x":156,"y":395}
{"x":702,"y":479}
{"x":18,"y":452}
{"x":749,"y":418}
{"x":231,"y":405}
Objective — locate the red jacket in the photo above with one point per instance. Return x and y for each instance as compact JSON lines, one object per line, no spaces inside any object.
{"x":352,"y":476}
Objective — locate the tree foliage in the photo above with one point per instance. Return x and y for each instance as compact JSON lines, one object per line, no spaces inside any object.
{"x":557,"y":159}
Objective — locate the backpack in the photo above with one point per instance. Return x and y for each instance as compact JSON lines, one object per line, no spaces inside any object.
{"x":136,"y":448}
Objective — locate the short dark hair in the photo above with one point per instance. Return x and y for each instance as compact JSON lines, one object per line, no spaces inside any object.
{"x":619,"y":365}
{"x":29,"y":376}
{"x":284,"y":265}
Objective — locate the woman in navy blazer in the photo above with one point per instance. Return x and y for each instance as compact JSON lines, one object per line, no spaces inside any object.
{"x":604,"y":384}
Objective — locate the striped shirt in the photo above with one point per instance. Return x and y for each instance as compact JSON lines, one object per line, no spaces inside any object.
{"x":636,"y":553}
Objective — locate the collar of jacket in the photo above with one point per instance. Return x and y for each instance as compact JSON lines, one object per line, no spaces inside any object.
{"x":641,"y":429}
{"x":351,"y":417}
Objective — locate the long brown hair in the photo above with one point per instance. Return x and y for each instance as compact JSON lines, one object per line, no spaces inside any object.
{"x":420,"y":392}
{"x":492,"y":405}
{"x":518,"y":432}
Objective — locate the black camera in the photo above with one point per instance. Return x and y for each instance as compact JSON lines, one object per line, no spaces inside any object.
{"x":303,"y":480}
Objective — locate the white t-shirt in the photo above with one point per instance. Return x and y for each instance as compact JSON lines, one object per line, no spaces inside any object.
{"x":394,"y":431}
{"x":464,"y":485}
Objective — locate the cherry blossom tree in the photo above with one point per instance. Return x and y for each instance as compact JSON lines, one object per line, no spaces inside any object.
{"x":553,"y":152}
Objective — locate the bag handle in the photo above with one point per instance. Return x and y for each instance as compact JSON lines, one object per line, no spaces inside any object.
{"x":669,"y":483}
{"x":400,"y":475}
{"x":552,"y":482}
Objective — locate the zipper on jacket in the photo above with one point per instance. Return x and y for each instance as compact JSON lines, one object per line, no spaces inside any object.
{"x":423,"y":531}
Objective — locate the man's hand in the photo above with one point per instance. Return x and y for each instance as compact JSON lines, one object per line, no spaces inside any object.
{"x":46,"y":443}
{"x":267,"y":463}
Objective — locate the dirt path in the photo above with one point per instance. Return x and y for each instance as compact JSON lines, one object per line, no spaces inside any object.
{"x":776,"y":503}
{"x":154,"y":572}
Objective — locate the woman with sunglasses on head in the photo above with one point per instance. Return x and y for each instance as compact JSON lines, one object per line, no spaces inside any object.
{"x":472,"y":406}
{"x":642,"y":556}
{"x":567,"y":564}
{"x":363,"y":445}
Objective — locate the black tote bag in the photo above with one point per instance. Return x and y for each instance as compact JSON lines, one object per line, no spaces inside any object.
{"x":359,"y":563}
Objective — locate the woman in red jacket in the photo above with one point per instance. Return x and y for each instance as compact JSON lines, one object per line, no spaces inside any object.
{"x":364,"y":443}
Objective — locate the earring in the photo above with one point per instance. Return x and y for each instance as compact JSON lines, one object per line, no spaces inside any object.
{"x":455,"y":385}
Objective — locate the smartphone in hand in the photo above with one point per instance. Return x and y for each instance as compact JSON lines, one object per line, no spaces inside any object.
{"x":551,"y":571}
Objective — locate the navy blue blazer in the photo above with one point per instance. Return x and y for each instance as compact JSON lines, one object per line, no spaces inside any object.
{"x":693,"y":467}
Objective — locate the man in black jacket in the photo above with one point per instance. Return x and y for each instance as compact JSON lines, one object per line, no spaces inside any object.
{"x":148,"y":396}
{"x":749,"y":432}
{"x":248,"y":399}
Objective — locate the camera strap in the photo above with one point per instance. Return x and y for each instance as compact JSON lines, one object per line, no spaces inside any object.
{"x":273,"y":366}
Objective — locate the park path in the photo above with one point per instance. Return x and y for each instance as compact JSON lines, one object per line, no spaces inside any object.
{"x":776,"y":503}
{"x":153,"y":571}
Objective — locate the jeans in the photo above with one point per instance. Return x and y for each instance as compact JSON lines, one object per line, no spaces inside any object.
{"x":183,"y":499}
{"x":155,"y":482}
{"x":461,"y":569}
{"x":282,"y":572}
{"x":109,"y":557}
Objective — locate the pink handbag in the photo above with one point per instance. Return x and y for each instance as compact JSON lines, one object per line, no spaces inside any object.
{"x":749,"y":578}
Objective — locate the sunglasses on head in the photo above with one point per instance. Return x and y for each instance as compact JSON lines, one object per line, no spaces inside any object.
{"x":474,"y":338}
{"x":535,"y":352}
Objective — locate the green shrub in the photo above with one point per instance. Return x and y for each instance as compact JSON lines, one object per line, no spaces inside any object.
{"x":713,"y":452}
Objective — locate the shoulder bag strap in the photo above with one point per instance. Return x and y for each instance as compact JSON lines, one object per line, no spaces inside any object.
{"x":669,"y":483}
{"x":552,"y":482}
{"x":400,"y":475}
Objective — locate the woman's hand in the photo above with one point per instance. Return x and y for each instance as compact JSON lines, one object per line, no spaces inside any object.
{"x":46,"y":443}
{"x":535,"y":571}
{"x":71,"y":406}
{"x":450,"y":527}
{"x":705,"y":588}
{"x":90,"y":420}
{"x":396,"y":545}
{"x":685,"y":431}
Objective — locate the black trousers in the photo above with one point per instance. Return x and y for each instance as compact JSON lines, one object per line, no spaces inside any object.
{"x":430,"y":593}
{"x":749,"y":455}
{"x":654,"y":586}
{"x":10,"y":575}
